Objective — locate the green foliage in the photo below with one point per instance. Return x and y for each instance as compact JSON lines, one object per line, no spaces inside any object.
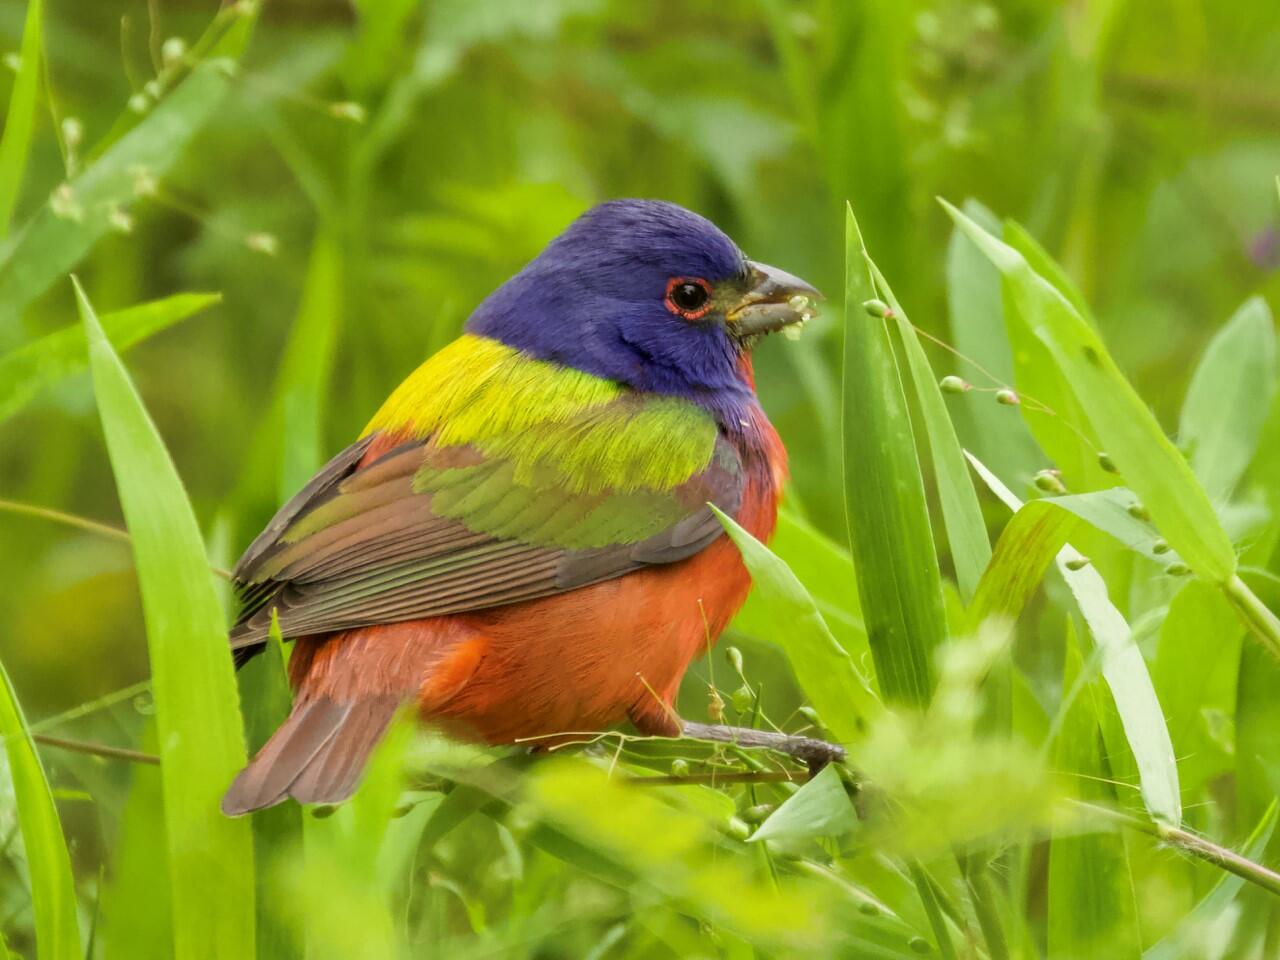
{"x":1046,"y":738}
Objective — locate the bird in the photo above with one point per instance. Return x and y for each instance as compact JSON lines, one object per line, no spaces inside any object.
{"x":521,"y":545}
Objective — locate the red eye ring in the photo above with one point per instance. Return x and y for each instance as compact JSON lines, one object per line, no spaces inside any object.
{"x":688,"y":297}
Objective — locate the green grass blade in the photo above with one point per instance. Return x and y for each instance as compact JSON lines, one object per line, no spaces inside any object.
{"x":304,"y":371}
{"x":961,"y":514}
{"x":1091,"y":906}
{"x":1149,"y":462}
{"x":53,"y":891}
{"x":889,"y":534}
{"x":976,"y":314}
{"x":16,"y":143}
{"x":197,"y":710}
{"x":825,"y":671}
{"x":51,"y":244}
{"x":1123,"y":667}
{"x":26,"y":371}
{"x":1229,"y":398}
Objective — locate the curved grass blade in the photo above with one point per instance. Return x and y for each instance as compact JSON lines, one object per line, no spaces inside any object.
{"x":1149,"y":462}
{"x":26,"y":371}
{"x":1229,"y":398}
{"x":53,"y":892}
{"x":52,"y":243}
{"x":826,"y":673}
{"x":1123,"y":667}
{"x":889,"y":534}
{"x":961,"y":514}
{"x":20,"y":117}
{"x":197,"y":710}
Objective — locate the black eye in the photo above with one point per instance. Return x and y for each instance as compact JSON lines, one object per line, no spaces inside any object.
{"x":688,"y":297}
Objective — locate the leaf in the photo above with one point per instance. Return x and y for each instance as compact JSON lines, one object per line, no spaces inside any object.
{"x":1091,"y":905}
{"x":304,"y":371}
{"x":889,"y":534}
{"x":51,"y":244}
{"x":197,"y":709}
{"x":1122,"y":665}
{"x":826,"y":673}
{"x":820,"y":808}
{"x":1148,"y":461}
{"x":53,"y":891}
{"x":26,"y":371}
{"x":1229,"y":398}
{"x":978,"y":333}
{"x":16,"y":143}
{"x":961,"y":515}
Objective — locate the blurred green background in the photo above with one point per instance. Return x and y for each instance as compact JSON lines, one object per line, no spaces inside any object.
{"x":380,"y":166}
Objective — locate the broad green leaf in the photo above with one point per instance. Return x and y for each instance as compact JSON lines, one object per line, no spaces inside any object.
{"x":826,"y":572}
{"x":53,"y":242}
{"x":1229,"y":398}
{"x":16,"y":143}
{"x":137,"y":914}
{"x":820,"y":808}
{"x":210,"y":868}
{"x":976,"y":314}
{"x":889,"y":535}
{"x":961,"y":515}
{"x":1258,"y":715}
{"x":1110,"y":511}
{"x":1091,"y":905}
{"x":53,"y":890}
{"x":26,"y":371}
{"x":304,"y":371}
{"x":825,"y":671}
{"x":1148,"y":461}
{"x":1123,"y":667}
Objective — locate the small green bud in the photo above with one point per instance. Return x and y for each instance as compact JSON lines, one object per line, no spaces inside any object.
{"x":1177,"y":569}
{"x":173,"y":50}
{"x":1008,"y":398}
{"x":347,"y":110}
{"x":877,"y":308}
{"x":323,"y":811}
{"x":1106,"y":463}
{"x":1138,"y":511}
{"x":1160,"y":546}
{"x":735,"y":658}
{"x":811,"y":715}
{"x":757,"y":814}
{"x":679,"y":767}
{"x":869,"y":909}
{"x":954,"y":385}
{"x":742,"y":699}
{"x":1050,"y":482}
{"x":1077,"y":563}
{"x":919,"y":945}
{"x":738,"y":829}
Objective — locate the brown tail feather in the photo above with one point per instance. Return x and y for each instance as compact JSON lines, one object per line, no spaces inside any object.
{"x":316,"y":756}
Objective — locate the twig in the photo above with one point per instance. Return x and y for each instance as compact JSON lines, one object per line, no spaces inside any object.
{"x":96,"y":749}
{"x":1193,"y":845}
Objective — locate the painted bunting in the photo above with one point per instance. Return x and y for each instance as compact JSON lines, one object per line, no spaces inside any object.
{"x":520,"y":544}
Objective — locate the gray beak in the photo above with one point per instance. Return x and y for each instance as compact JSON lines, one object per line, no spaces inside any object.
{"x":774,"y":300}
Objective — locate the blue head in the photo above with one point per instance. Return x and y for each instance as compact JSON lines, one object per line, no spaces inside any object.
{"x":649,"y":294}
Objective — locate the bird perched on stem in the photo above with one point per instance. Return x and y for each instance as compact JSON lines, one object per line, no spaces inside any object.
{"x":520,"y":544}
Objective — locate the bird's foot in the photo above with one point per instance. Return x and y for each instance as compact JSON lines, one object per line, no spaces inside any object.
{"x":814,"y":753}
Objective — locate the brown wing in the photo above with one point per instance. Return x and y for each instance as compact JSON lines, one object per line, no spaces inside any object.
{"x":424,"y":531}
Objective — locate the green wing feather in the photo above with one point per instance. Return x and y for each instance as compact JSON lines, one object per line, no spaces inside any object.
{"x":516,"y":508}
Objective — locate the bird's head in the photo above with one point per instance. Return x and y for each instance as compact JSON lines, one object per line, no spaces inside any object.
{"x":651,"y":295}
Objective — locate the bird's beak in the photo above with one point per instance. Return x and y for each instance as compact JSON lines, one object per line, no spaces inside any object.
{"x":774,"y":300}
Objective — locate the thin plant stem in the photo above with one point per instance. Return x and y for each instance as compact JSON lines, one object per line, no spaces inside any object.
{"x":80,"y":523}
{"x":96,"y":749}
{"x":1193,"y":845}
{"x":1256,"y":614}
